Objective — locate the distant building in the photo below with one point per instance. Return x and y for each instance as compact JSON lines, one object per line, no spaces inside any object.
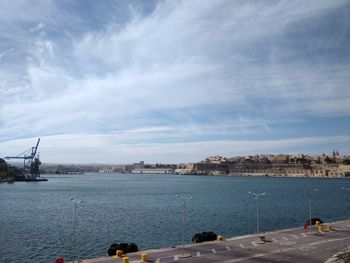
{"x":153,"y":171}
{"x":139,"y":165}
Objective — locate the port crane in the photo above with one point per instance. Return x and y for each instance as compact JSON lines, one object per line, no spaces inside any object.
{"x":31,"y":161}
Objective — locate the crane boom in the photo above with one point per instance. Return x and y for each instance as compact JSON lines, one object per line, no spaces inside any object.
{"x":31,"y":161}
{"x":36,"y":148}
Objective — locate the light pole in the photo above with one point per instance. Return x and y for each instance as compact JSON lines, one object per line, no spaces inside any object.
{"x":256,"y":197}
{"x":184,"y":200}
{"x":310,"y":210}
{"x":76,"y":202}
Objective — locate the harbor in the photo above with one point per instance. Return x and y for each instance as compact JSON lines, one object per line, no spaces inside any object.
{"x":144,"y":209}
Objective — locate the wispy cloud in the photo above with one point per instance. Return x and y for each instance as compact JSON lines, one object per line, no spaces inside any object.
{"x":3,"y":54}
{"x":164,"y":72}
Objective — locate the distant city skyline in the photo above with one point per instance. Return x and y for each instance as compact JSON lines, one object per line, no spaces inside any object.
{"x":173,"y":81}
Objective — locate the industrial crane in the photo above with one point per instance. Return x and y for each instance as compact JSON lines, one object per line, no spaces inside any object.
{"x":31,"y":161}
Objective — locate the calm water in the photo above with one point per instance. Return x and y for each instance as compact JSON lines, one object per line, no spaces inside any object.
{"x":36,"y":219}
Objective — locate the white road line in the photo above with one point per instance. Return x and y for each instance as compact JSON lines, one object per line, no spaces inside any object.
{"x":198,"y":254}
{"x":228,"y":248}
{"x":254,"y":244}
{"x":241,"y":245}
{"x":305,"y":235}
{"x":214,"y":251}
{"x":276,"y":251}
{"x":296,"y":237}
{"x":274,"y":239}
{"x":245,"y":258}
{"x":285,"y":238}
{"x":176,"y":258}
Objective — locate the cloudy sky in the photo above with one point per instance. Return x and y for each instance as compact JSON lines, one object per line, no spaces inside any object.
{"x":173,"y":81}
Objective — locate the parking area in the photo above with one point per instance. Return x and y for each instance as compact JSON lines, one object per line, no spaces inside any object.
{"x":291,"y":245}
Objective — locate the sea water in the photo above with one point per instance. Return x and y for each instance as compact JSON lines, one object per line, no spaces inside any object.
{"x":39,"y":221}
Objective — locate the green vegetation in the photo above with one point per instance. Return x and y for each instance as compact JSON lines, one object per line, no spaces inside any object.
{"x":8,"y":173}
{"x":346,"y":258}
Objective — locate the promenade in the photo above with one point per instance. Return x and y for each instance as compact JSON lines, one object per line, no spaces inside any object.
{"x":289,"y":245}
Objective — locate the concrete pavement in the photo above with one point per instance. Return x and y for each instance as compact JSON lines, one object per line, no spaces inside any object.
{"x":290,"y":245}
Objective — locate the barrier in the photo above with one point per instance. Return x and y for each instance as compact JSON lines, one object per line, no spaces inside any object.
{"x":144,"y":257}
{"x":320,"y":228}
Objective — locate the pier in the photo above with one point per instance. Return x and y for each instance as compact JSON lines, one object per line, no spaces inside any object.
{"x":288,"y":245}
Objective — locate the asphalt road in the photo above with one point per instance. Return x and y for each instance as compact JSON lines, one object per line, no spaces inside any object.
{"x":291,"y":245}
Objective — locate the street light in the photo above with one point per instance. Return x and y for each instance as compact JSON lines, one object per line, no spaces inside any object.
{"x":256,"y":197}
{"x":184,"y":200}
{"x":76,"y":202}
{"x":310,"y":210}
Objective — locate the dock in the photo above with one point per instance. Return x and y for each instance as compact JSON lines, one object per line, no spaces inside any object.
{"x":288,"y":245}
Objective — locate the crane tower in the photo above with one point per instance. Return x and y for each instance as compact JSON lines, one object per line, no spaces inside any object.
{"x":31,"y":161}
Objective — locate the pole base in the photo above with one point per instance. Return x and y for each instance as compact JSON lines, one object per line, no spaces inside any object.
{"x":261,"y":240}
{"x":186,"y":255}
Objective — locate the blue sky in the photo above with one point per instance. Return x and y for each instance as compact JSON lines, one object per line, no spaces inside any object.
{"x":173,"y":81}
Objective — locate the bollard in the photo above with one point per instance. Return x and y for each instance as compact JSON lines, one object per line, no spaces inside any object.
{"x":320,"y":228}
{"x":318,"y":223}
{"x":119,"y":253}
{"x":59,"y":260}
{"x":125,"y":260}
{"x":328,"y":227}
{"x":220,"y":238}
{"x":144,"y":257}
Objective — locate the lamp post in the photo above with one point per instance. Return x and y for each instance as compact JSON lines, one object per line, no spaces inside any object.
{"x":310,"y":209}
{"x":76,"y":202}
{"x":256,"y":197}
{"x":184,"y":200}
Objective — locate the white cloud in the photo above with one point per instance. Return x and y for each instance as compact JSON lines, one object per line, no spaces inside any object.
{"x":3,"y":54}
{"x":188,"y":68}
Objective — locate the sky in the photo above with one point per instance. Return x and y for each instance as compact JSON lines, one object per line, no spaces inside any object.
{"x":173,"y":81}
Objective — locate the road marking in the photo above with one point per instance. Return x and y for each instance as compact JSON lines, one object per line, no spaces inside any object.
{"x":274,"y":239}
{"x":306,"y":248}
{"x":296,"y":237}
{"x":305,"y":235}
{"x":284,"y":250}
{"x":276,"y":251}
{"x":214,"y":251}
{"x":176,"y":258}
{"x":228,"y":248}
{"x":246,"y":258}
{"x":198,"y":254}
{"x":285,"y":238}
{"x":241,"y":245}
{"x":157,"y":260}
{"x":287,"y":243}
{"x":254,"y":244}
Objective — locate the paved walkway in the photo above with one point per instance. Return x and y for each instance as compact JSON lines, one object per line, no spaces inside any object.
{"x":291,"y":245}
